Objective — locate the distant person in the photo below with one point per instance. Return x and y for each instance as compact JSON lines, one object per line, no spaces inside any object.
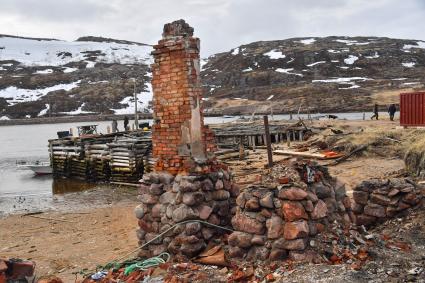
{"x":391,"y":110}
{"x":375,"y":112}
{"x":114,"y":126}
{"x":125,"y":123}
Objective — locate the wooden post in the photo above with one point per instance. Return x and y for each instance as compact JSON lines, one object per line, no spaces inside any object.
{"x":300,"y":134}
{"x":254,"y":141}
{"x":288,"y":139}
{"x":241,"y":149}
{"x":269,"y":146}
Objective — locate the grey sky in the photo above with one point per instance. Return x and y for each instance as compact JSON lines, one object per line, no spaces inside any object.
{"x":221,"y":24}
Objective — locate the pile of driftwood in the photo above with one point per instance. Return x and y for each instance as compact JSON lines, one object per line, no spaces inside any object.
{"x":114,"y":157}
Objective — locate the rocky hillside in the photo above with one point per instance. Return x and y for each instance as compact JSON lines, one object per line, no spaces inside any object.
{"x":319,"y":74}
{"x":47,"y":77}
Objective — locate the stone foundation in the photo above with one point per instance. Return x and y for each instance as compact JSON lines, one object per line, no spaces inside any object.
{"x":377,"y":200}
{"x":167,"y":200}
{"x":274,"y":223}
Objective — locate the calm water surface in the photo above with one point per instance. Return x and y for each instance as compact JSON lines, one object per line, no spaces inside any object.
{"x":21,"y":191}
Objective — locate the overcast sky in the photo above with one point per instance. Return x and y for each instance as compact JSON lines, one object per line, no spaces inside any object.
{"x":221,"y":24}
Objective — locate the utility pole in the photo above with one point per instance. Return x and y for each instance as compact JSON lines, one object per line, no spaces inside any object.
{"x":136,"y":118}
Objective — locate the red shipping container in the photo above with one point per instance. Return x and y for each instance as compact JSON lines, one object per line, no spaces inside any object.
{"x":412,"y":109}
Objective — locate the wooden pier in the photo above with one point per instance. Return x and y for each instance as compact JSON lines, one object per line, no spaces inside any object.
{"x":124,"y":157}
{"x":117,"y":158}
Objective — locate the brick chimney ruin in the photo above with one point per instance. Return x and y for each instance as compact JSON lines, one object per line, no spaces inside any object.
{"x":180,"y":140}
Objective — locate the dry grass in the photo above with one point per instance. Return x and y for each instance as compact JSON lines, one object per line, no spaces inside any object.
{"x":414,"y":157}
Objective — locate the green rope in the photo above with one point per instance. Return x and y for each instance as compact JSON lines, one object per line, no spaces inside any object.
{"x":148,"y":263}
{"x":118,"y":263}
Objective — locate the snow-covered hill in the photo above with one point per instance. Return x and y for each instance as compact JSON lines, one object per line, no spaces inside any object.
{"x":320,"y":74}
{"x":53,"y":77}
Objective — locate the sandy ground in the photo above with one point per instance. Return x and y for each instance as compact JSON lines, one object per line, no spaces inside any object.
{"x":62,"y":243}
{"x":71,"y":242}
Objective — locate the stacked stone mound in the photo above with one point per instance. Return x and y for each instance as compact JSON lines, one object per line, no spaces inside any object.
{"x":168,"y":200}
{"x":376,"y":200}
{"x":274,"y":223}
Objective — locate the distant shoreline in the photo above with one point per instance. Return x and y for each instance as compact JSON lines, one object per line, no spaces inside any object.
{"x":105,"y":117}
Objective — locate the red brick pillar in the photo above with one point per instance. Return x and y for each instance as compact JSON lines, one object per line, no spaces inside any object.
{"x":179,"y":136}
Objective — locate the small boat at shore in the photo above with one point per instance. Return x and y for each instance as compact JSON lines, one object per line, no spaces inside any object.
{"x":39,"y":168}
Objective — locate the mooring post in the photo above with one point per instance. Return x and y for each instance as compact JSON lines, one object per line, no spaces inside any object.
{"x":241,"y":149}
{"x":268,"y":143}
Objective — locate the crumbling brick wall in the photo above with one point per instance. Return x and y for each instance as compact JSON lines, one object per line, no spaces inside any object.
{"x":180,"y":139}
{"x":376,"y":200}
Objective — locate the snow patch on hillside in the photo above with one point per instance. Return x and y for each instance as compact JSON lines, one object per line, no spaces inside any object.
{"x":143,"y":99}
{"x":275,"y":54}
{"x":288,"y":71}
{"x":409,"y":64}
{"x":4,"y":118}
{"x":316,"y":63}
{"x":351,"y":59}
{"x":14,"y":95}
{"x":44,"y":111}
{"x":31,"y":52}
{"x":46,"y":71}
{"x":308,"y":41}
{"x":235,"y":51}
{"x":351,"y":42}
{"x":374,"y":56}
{"x":69,"y":70}
{"x":78,"y":111}
{"x":342,"y":80}
{"x":419,"y":44}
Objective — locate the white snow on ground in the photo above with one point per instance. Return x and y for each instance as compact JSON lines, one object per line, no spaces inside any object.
{"x":351,"y":59}
{"x":351,"y":42}
{"x":344,"y":67}
{"x":270,"y":97}
{"x":308,"y":41}
{"x":44,"y":111}
{"x":143,"y":99}
{"x":47,"y":71}
{"x":409,"y":64}
{"x":342,"y":80}
{"x":235,"y":51}
{"x":69,"y":70}
{"x":202,"y":63}
{"x":411,"y":83}
{"x":15,"y":95}
{"x":290,"y":61}
{"x":274,"y":54}
{"x":335,"y":61}
{"x":78,"y":111}
{"x":399,"y":79}
{"x":2,"y":69}
{"x":419,"y":44}
{"x":7,"y":65}
{"x":316,"y":63}
{"x":334,"y":51}
{"x":90,"y":64}
{"x":98,"y":82}
{"x":31,"y":52}
{"x":3,"y":118}
{"x":351,"y":87}
{"x":288,"y":71}
{"x":247,"y":69}
{"x":374,"y":56}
